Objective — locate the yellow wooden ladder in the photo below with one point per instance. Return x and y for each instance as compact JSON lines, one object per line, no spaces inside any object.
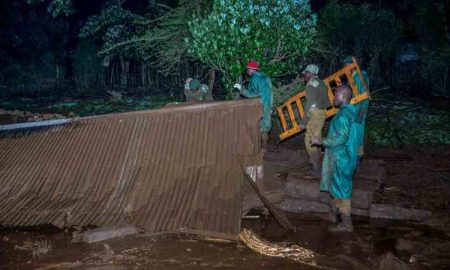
{"x":292,"y":125}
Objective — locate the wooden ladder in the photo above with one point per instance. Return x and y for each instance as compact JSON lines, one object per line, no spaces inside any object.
{"x":292,"y":125}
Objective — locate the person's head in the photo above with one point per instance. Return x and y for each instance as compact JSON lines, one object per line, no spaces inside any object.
{"x":252,"y":67}
{"x":348,"y":60}
{"x":342,"y":96}
{"x":194,"y":85}
{"x":310,"y":71}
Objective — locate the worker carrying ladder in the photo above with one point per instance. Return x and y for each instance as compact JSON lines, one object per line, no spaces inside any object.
{"x":292,"y":113}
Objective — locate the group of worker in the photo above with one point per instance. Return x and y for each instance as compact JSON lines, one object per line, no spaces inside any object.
{"x":343,"y":144}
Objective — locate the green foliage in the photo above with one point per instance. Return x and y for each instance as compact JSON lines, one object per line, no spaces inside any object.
{"x":435,"y":70}
{"x":283,"y":93}
{"x":87,"y":65}
{"x":102,"y":106}
{"x":430,"y":21}
{"x":275,"y":33}
{"x":116,"y":25}
{"x":395,"y":122}
{"x":163,"y":42}
{"x":366,"y":31}
{"x":57,"y":7}
{"x":87,"y":107}
{"x":36,"y":75}
{"x":112,"y":16}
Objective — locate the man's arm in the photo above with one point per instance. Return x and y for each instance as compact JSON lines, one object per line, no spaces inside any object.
{"x":344,"y":125}
{"x":206,"y":92}
{"x":252,"y":90}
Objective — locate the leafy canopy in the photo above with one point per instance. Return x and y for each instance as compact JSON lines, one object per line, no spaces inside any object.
{"x":116,"y":25}
{"x":275,"y":33}
{"x":366,"y":31}
{"x":57,"y":7}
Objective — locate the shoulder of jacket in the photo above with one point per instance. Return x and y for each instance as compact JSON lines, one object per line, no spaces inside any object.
{"x":349,"y":110}
{"x":314,"y":82}
{"x":258,"y":75}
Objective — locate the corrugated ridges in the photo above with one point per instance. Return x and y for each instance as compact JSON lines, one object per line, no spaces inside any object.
{"x":169,"y":169}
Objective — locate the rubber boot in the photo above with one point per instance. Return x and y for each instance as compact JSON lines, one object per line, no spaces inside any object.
{"x":333,"y":213}
{"x":345,"y":226}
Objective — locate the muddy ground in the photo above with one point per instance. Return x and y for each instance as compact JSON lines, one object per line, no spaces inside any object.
{"x":418,"y":177}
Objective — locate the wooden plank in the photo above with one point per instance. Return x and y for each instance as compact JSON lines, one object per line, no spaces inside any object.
{"x":352,"y":83}
{"x":331,"y":112}
{"x":301,"y":111}
{"x":363,"y":81}
{"x":292,"y":116}
{"x":277,"y":213}
{"x":282,"y":118}
{"x":359,"y":98}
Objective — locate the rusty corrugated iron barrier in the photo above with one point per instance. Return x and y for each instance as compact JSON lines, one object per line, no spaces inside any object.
{"x":172,"y":169}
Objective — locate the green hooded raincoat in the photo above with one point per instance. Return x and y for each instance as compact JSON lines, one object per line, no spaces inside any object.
{"x":341,"y":153}
{"x":261,"y":86}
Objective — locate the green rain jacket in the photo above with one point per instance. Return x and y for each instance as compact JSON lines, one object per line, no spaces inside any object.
{"x":261,"y":86}
{"x":363,"y":106}
{"x":341,"y":153}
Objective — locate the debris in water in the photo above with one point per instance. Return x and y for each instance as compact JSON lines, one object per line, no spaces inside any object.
{"x":65,"y":265}
{"x":294,"y":252}
{"x":108,"y":252}
{"x":41,"y":248}
{"x":37,"y":248}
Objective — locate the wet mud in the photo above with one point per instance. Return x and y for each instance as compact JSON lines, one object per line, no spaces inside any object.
{"x":413,"y":246}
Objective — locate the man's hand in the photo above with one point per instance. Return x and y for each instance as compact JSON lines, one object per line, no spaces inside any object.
{"x":238,"y":86}
{"x":186,"y":85}
{"x":316,"y":140}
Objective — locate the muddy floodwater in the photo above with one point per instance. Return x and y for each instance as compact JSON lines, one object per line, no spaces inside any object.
{"x":375,"y":244}
{"x":416,"y":178}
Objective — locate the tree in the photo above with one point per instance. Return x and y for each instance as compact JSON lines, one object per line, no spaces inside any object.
{"x":371,"y":33}
{"x":57,"y":7}
{"x":275,"y":33}
{"x":163,"y":40}
{"x":140,"y":38}
{"x":431,"y":19}
{"x":115,"y":25}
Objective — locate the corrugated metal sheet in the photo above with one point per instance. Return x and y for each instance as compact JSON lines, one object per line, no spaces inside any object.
{"x":170,"y":169}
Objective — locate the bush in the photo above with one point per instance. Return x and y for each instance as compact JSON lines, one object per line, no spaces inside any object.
{"x":275,"y":33}
{"x":366,"y":31}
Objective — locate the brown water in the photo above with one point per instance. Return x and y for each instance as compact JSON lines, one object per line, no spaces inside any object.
{"x":421,"y":181}
{"x":360,"y":250}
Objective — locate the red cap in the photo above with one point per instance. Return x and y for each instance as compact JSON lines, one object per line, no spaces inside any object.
{"x":252,"y":64}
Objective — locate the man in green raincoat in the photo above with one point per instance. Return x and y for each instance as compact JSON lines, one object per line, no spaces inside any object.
{"x":260,"y":86}
{"x":341,"y":157}
{"x":363,"y":106}
{"x":195,"y":91}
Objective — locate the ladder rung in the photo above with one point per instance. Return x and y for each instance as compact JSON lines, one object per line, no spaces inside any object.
{"x":352,"y":84}
{"x":282,"y":118}
{"x":291,"y":115}
{"x":301,"y":111}
{"x":336,"y":77}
